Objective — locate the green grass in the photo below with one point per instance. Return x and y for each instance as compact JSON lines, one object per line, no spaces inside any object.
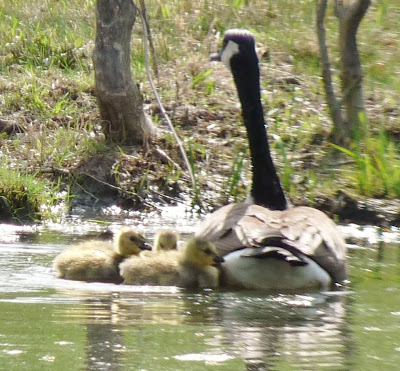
{"x":377,"y":171}
{"x":25,"y":197}
{"x":46,"y":86}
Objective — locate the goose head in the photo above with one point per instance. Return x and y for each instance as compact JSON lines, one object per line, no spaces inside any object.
{"x":238,"y":48}
{"x":200,"y":254}
{"x":239,"y":55}
{"x":130,"y":242}
{"x":166,"y":240}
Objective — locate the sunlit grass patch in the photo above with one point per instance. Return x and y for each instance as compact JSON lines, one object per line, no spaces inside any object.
{"x":43,"y":38}
{"x":24,"y":197}
{"x":377,"y":166}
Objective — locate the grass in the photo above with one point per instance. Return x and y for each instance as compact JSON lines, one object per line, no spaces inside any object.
{"x":46,"y":86}
{"x":377,"y":172}
{"x":26,"y":197}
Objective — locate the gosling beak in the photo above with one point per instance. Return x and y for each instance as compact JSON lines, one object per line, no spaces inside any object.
{"x":145,"y":246}
{"x":218,"y":260}
{"x":215,"y":57}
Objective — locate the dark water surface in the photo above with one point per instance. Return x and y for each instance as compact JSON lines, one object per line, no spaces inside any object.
{"x":48,"y":323}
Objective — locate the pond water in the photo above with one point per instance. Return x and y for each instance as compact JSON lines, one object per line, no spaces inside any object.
{"x":49,"y":323}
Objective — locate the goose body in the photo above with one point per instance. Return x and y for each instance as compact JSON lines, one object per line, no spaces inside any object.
{"x":191,"y":267}
{"x":266,"y":244}
{"x":98,"y":261}
{"x":297,"y":248}
{"x":242,"y":271}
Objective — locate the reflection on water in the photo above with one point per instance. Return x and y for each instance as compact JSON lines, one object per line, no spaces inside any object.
{"x":48,"y":323}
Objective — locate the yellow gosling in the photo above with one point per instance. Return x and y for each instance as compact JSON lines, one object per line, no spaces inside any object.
{"x":192,"y":268}
{"x":159,"y":269}
{"x":166,"y":240}
{"x":98,"y":261}
{"x":197,"y":265}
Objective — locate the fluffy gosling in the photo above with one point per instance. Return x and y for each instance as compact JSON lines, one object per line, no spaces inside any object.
{"x":166,"y":240}
{"x":98,"y":261}
{"x":197,"y":266}
{"x":193,"y":267}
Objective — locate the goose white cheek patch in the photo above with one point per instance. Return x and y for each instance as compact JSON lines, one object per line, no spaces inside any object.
{"x":229,"y":51}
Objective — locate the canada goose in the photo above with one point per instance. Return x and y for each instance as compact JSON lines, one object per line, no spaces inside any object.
{"x":267,"y":245}
{"x":193,"y":267}
{"x":98,"y":261}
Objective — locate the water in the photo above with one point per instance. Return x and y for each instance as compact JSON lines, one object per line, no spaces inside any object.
{"x":48,"y":323}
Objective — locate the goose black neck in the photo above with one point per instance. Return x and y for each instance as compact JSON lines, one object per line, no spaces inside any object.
{"x":266,"y":187}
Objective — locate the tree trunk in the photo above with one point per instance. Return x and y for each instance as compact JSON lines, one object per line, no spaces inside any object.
{"x":351,"y":73}
{"x":120,"y":101}
{"x":333,"y":104}
{"x":350,"y":16}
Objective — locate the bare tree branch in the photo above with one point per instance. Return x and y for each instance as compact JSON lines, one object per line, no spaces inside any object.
{"x":162,"y":110}
{"x":151,"y":44}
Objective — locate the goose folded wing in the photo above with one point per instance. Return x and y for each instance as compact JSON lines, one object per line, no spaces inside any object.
{"x":304,"y":231}
{"x":274,"y":252}
{"x":221,"y":228}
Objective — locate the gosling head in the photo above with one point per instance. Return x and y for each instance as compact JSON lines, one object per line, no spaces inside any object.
{"x":130,"y":242}
{"x":200,"y":253}
{"x":166,"y":240}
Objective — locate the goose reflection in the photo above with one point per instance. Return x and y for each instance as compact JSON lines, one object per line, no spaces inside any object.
{"x":292,"y":331}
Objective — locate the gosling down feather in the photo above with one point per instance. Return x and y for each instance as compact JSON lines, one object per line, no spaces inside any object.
{"x":193,"y":267}
{"x":267,"y":245}
{"x":98,"y":261}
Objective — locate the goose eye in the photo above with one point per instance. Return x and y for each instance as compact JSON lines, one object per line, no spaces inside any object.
{"x":207,"y":251}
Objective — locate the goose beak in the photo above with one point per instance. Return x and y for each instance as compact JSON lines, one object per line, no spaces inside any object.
{"x":215,"y":57}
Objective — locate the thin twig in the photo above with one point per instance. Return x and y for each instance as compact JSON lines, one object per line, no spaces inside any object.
{"x":150,"y":38}
{"x":119,"y":189}
{"x":162,"y":110}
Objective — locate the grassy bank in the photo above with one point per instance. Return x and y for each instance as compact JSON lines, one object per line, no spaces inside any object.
{"x":51,"y":121}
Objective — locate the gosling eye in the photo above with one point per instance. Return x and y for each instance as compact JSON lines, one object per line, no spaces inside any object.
{"x":207,"y":252}
{"x":136,"y":239}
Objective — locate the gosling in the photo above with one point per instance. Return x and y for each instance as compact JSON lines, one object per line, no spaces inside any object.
{"x":193,"y":267}
{"x":165,"y":240}
{"x":98,"y":261}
